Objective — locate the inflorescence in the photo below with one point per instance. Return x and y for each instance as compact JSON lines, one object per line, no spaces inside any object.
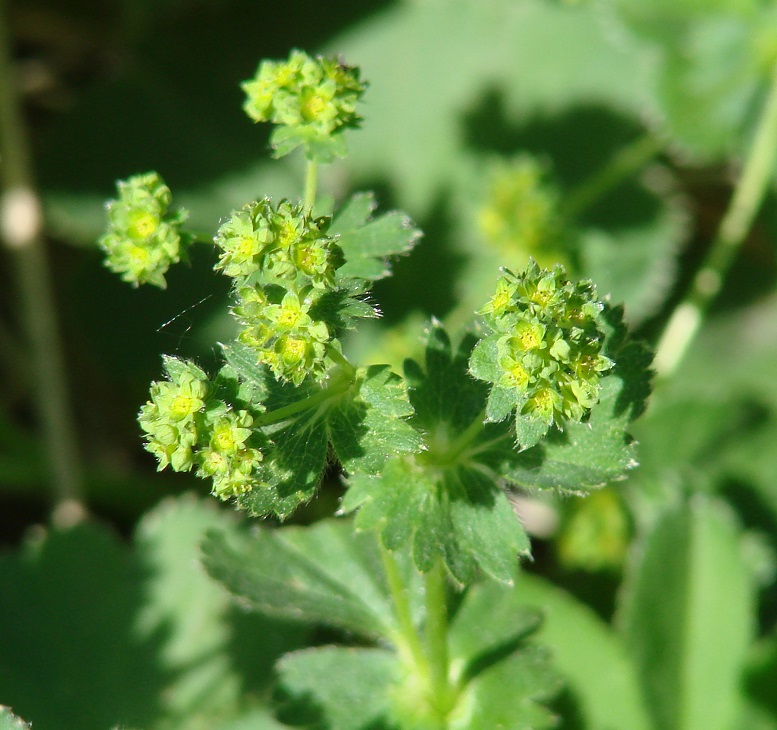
{"x":549,"y":343}
{"x":143,"y":238}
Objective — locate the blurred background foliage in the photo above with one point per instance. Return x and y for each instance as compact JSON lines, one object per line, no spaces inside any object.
{"x":606,"y":135}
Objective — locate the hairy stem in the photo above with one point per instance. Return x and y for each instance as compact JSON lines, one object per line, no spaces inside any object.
{"x":21,"y":231}
{"x":409,"y":636}
{"x":626,"y":162}
{"x":311,"y":181}
{"x":736,"y":223}
{"x":442,"y":693}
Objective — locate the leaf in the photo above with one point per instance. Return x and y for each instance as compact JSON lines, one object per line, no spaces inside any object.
{"x":9,"y":721}
{"x":343,"y":689}
{"x":68,"y":609}
{"x":205,"y":639}
{"x":687,"y":617}
{"x":368,"y":242}
{"x":370,"y":425}
{"x":441,"y":500}
{"x":601,"y":680}
{"x":318,"y":574}
{"x":712,"y":68}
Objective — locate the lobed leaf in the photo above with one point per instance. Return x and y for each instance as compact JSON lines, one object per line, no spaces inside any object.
{"x":318,"y":574}
{"x":368,"y":242}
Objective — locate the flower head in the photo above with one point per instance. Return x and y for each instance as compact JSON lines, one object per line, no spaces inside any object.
{"x":143,"y":238}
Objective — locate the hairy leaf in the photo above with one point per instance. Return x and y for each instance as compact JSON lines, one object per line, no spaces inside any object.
{"x":368,"y":242}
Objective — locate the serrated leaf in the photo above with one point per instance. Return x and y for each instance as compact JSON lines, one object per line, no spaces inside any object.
{"x":368,"y":242}
{"x":370,"y":425}
{"x":9,"y":721}
{"x":318,"y":574}
{"x":691,"y":645}
{"x":343,"y":689}
{"x":441,"y":500}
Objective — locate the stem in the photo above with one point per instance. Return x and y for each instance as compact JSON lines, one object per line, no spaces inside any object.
{"x":21,"y":231}
{"x":734,"y":227}
{"x":411,"y":640}
{"x":627,"y":161}
{"x":311,"y":180}
{"x":437,"y":640}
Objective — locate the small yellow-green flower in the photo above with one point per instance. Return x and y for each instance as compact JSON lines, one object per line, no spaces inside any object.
{"x":143,"y":238}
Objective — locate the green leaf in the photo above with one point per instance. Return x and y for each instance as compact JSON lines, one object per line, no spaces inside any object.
{"x":441,"y":499}
{"x":206,"y":642}
{"x":318,"y":574}
{"x":601,"y":681}
{"x":370,"y":425}
{"x":368,"y":242}
{"x":342,"y":689}
{"x":687,"y":617}
{"x":713,"y":62}
{"x":68,"y":609}
{"x":9,"y":721}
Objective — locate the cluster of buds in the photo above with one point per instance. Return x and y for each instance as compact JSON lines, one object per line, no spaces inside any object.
{"x":312,"y":100}
{"x":520,"y":214}
{"x":549,"y":343}
{"x":283,"y":263}
{"x":143,"y":238}
{"x":185,"y":428}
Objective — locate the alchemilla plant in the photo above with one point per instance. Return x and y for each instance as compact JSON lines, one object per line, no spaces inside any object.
{"x":537,"y":394}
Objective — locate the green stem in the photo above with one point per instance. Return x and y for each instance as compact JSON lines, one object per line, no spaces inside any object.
{"x":311,"y":180}
{"x":410,"y":638}
{"x":281,"y":414}
{"x":748,"y":195}
{"x":442,"y":693}
{"x":21,"y":226}
{"x":627,"y":162}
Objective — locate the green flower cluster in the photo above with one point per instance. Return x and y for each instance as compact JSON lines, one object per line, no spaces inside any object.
{"x":186,"y":427}
{"x":143,"y":238}
{"x":520,"y":214}
{"x":311,"y":99}
{"x":549,"y":343}
{"x":283,"y":264}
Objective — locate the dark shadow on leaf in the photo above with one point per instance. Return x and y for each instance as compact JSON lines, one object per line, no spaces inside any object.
{"x":489,"y":127}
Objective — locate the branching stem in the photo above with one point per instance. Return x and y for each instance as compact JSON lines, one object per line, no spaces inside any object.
{"x":736,"y":223}
{"x":21,"y":227}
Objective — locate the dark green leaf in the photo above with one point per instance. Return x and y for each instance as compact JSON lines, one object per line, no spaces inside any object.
{"x":341,"y":689}
{"x":687,"y":617}
{"x":442,"y":499}
{"x":370,"y":425}
{"x":368,"y":242}
{"x":319,"y":574}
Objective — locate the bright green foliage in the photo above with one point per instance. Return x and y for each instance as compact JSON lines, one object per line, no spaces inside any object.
{"x":312,"y":100}
{"x":445,"y":500}
{"x":143,"y":238}
{"x":545,"y":357}
{"x":691,"y":645}
{"x":327,"y":574}
{"x":520,"y":213}
{"x":712,"y":63}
